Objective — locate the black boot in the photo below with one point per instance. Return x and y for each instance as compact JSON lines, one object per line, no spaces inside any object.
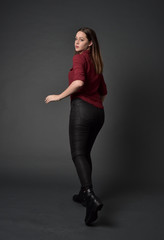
{"x":93,"y":205}
{"x":81,"y":197}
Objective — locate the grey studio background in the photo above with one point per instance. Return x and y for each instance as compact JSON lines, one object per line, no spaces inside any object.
{"x":37,"y":46}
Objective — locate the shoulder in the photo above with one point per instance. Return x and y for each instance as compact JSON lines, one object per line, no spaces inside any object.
{"x":79,"y":58}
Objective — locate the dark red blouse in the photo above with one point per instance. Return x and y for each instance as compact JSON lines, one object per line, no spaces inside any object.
{"x":94,"y":85}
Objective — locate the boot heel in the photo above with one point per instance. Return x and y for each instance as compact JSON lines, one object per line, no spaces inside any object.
{"x":99,"y":207}
{"x":80,"y":198}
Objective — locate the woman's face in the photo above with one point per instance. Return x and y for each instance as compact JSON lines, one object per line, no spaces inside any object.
{"x":81,"y":42}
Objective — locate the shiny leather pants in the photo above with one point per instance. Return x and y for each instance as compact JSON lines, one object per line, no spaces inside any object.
{"x":85,"y":123}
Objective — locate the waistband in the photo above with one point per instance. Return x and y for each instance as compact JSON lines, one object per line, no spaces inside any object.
{"x":77,"y":100}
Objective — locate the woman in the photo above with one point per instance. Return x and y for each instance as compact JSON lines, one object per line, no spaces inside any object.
{"x":87,"y":91}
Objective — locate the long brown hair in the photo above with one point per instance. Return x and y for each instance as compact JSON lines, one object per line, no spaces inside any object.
{"x":94,"y":48}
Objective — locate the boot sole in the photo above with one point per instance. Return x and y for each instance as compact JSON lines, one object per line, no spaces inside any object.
{"x":93,"y":214}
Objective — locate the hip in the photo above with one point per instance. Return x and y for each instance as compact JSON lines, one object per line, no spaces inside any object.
{"x":82,"y":111}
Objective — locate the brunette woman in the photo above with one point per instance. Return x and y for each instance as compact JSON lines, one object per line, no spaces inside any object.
{"x":87,"y":90}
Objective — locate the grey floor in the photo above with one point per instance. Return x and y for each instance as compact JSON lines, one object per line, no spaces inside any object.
{"x":33,"y":210}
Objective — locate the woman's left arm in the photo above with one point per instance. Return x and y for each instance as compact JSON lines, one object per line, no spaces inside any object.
{"x":73,"y":87}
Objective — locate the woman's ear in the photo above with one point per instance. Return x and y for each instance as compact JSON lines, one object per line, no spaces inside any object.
{"x":90,"y":43}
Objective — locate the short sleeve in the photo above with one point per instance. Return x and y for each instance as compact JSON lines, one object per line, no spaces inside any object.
{"x":102,"y":87}
{"x":78,"y":67}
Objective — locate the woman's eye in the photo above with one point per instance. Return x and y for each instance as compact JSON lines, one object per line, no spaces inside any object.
{"x":80,"y":39}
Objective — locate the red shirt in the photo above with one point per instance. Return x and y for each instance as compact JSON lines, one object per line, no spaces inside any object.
{"x":94,"y":85}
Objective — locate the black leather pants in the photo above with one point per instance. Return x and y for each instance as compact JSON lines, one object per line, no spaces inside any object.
{"x":85,"y":123}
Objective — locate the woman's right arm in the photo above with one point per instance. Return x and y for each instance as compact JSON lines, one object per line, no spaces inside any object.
{"x":102,"y":88}
{"x":102,"y":97}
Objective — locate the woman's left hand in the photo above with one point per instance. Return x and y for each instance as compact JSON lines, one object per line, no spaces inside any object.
{"x":51,"y":98}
